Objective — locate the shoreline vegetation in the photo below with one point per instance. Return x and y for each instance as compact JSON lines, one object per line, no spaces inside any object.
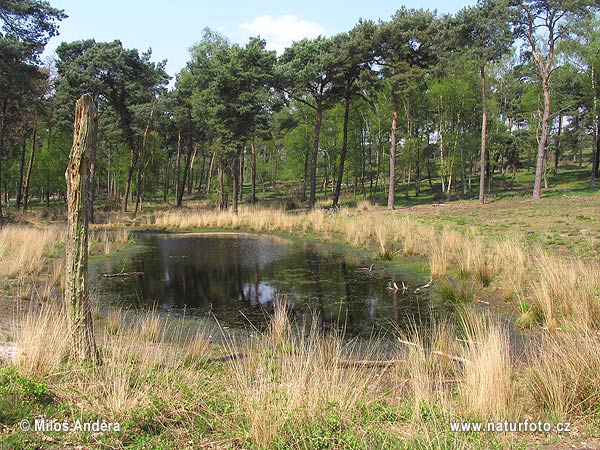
{"x":296,"y":387}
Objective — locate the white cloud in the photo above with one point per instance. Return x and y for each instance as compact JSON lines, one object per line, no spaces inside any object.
{"x":280,"y":32}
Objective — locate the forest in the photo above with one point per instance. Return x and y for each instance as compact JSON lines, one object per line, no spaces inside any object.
{"x":419,"y":105}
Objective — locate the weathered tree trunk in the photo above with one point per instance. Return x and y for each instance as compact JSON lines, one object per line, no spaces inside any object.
{"x":83,"y":346}
{"x":483,"y":157}
{"x":338,"y":184}
{"x":315,"y":153}
{"x":29,"y":168}
{"x":253,"y":175}
{"x":92,"y":189}
{"x":392,"y":189}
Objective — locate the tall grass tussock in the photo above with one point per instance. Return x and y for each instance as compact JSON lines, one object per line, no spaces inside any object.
{"x":24,"y":248}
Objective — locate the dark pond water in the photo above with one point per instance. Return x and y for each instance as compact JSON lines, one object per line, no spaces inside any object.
{"x":235,"y":277}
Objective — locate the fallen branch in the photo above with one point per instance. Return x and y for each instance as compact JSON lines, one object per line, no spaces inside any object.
{"x":121,"y":274}
{"x":425,"y":286}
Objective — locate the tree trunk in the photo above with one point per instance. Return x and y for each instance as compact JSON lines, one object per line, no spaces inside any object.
{"x":483,"y":158}
{"x":417,"y":158}
{"x":539,"y":167}
{"x":83,"y":346}
{"x":186,"y":170}
{"x":253,"y":168}
{"x":596,"y":145}
{"x":392,"y":190}
{"x":235,"y":172}
{"x":596,"y":163}
{"x":202,"y":170}
{"x":166,"y":179}
{"x":21,"y":172}
{"x":242,"y":158}
{"x":29,"y":167}
{"x":221,"y":197}
{"x":209,"y":176}
{"x":557,"y":150}
{"x":178,"y":166}
{"x":315,"y":153}
{"x":305,"y":177}
{"x":2,"y":130}
{"x":92,"y":189}
{"x":140,"y":171}
{"x":338,"y":184}
{"x":132,"y":164}
{"x":191,"y":169}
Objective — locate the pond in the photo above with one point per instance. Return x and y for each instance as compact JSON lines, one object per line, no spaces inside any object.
{"x":236,"y":278}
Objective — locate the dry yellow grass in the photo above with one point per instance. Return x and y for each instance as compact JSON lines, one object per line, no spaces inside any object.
{"x":513,"y":264}
{"x":425,"y":370}
{"x":567,"y":291}
{"x":486,"y":387}
{"x":364,"y":205}
{"x":24,"y":248}
{"x":287,"y":379}
{"x":107,"y":240}
{"x":563,"y":378}
{"x":42,"y":341}
{"x":136,"y":358}
{"x":294,"y":377}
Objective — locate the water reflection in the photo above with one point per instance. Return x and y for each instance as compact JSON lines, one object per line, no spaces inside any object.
{"x":236,"y":277}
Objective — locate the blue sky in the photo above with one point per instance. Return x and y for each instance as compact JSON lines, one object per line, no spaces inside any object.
{"x":170,"y":28}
